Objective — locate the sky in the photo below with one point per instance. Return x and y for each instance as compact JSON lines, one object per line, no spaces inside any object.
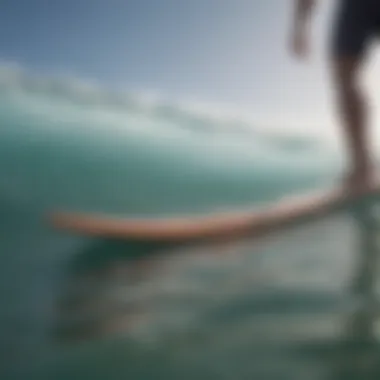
{"x":226,"y":52}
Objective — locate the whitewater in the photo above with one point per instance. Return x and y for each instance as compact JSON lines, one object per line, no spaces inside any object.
{"x":74,"y":144}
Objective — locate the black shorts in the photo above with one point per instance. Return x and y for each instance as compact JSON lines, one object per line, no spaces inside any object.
{"x":357,"y":23}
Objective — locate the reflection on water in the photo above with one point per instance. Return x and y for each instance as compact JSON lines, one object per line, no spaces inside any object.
{"x":274,"y":308}
{"x":216,"y":311}
{"x":94,"y":301}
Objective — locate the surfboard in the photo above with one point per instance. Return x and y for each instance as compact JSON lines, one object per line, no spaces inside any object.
{"x":237,"y":224}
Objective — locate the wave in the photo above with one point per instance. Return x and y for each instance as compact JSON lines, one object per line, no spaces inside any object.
{"x":62,"y":136}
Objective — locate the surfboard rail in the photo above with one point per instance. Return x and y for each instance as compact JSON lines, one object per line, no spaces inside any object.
{"x":289,"y":211}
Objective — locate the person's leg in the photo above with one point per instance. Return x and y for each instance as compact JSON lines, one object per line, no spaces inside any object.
{"x":354,"y":28}
{"x":354,"y":115}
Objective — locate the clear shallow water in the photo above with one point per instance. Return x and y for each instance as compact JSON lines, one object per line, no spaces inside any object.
{"x":73,"y":307}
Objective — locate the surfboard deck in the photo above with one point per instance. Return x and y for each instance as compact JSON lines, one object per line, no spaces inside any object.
{"x":237,"y":224}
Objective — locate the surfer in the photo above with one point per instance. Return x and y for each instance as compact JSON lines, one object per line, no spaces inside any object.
{"x":355,"y":24}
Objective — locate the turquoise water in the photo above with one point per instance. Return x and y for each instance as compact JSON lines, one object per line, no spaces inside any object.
{"x":80,"y":308}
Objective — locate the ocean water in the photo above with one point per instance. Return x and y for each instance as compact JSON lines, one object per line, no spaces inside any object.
{"x":74,"y":307}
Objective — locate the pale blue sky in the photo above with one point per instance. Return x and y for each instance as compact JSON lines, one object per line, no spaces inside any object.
{"x":218,"y":51}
